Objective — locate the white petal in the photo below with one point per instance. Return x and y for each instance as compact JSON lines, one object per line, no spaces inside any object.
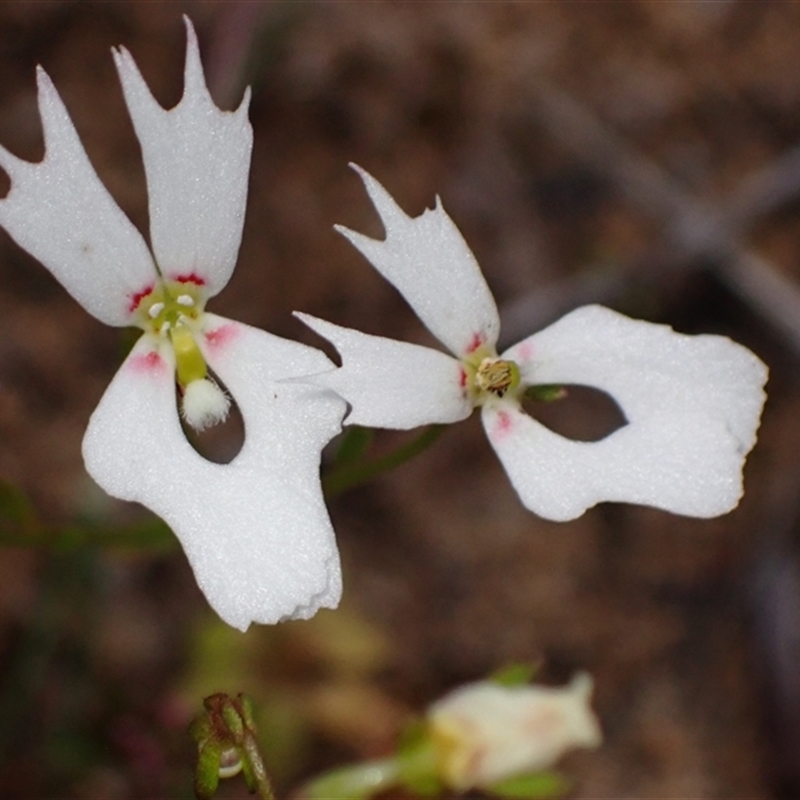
{"x":256,"y":530}
{"x":392,"y":384}
{"x":196,"y":159}
{"x":430,"y":264}
{"x":60,"y":212}
{"x":692,"y":405}
{"x":651,"y":371}
{"x":690,"y":469}
{"x":288,"y":417}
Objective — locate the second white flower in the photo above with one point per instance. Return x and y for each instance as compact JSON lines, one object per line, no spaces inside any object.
{"x":692,"y":403}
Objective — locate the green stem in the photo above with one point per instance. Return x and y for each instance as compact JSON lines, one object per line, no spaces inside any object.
{"x":348,"y":475}
{"x":258,"y":771}
{"x":21,"y":527}
{"x":149,"y":535}
{"x":353,"y":783}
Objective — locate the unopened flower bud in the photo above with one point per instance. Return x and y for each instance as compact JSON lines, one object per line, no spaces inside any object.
{"x":484,"y":733}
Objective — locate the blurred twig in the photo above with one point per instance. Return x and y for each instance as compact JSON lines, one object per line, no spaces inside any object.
{"x":531,"y":312}
{"x":245,"y":40}
{"x":693,"y":228}
{"x":232,"y":42}
{"x":767,"y":189}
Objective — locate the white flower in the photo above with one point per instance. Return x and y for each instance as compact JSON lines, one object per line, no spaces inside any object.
{"x":692,"y":403}
{"x":484,"y":733}
{"x":256,"y":530}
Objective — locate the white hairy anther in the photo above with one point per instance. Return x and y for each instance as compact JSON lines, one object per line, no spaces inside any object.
{"x":204,"y":404}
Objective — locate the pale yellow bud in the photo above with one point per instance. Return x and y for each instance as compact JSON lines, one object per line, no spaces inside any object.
{"x":484,"y":732}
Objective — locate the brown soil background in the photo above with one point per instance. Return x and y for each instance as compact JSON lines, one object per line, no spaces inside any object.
{"x":691,"y":628}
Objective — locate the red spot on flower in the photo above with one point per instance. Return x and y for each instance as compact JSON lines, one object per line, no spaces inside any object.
{"x":148,"y":362}
{"x":191,"y":277}
{"x":138,"y":297}
{"x":221,"y":336}
{"x":477,"y":340}
{"x":462,"y":378}
{"x":504,"y":425}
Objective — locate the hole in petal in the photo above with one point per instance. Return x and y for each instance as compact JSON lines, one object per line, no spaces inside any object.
{"x":219,"y":442}
{"x":582,"y":413}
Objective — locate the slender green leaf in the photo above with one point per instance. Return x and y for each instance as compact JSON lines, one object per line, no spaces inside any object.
{"x":531,"y":787}
{"x":357,"y":782}
{"x":151,"y":534}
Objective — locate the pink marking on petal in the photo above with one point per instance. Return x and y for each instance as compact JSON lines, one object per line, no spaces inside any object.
{"x":477,"y":340}
{"x":525,"y":351}
{"x":462,"y":378}
{"x":137,"y":298}
{"x":222,"y":336}
{"x":149,"y":363}
{"x":505,"y":425}
{"x":191,"y":277}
